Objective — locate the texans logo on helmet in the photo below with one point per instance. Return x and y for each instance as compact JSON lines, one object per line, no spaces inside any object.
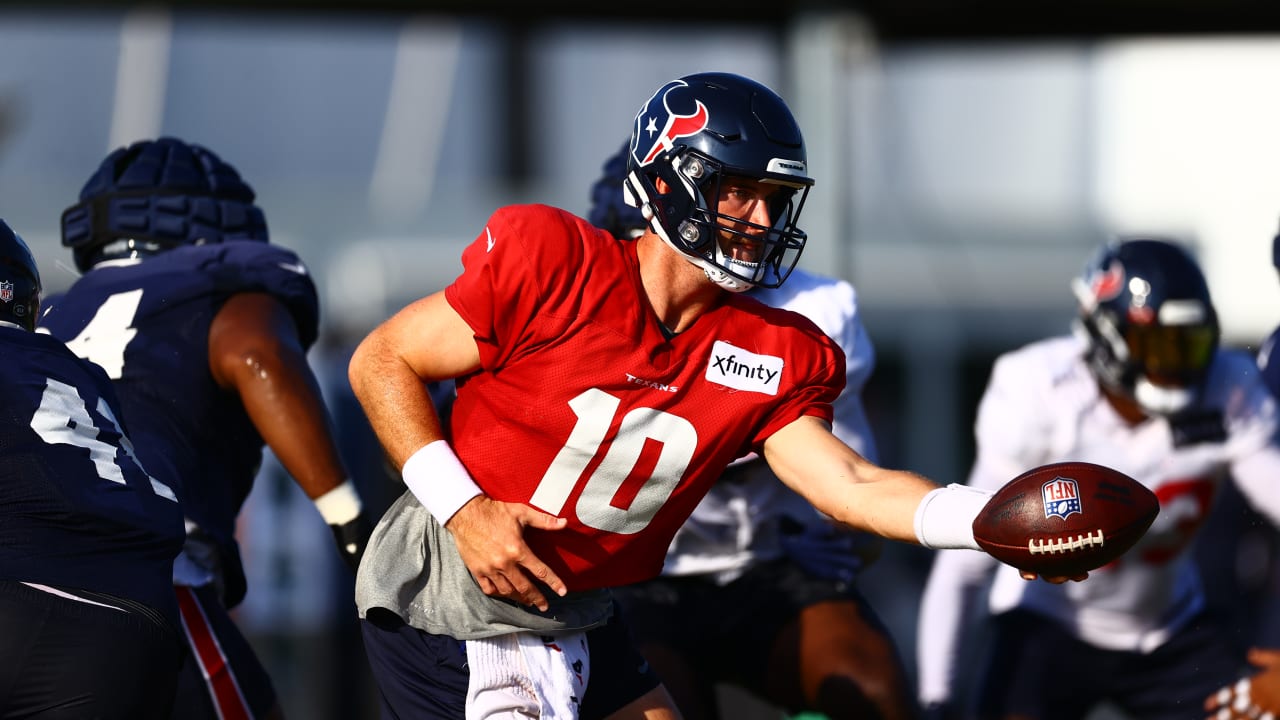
{"x":662,"y":111}
{"x":6,"y":291}
{"x":1106,"y":285}
{"x":1061,"y":497}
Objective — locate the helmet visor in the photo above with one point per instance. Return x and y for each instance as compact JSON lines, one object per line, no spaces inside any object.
{"x":1172,"y":355}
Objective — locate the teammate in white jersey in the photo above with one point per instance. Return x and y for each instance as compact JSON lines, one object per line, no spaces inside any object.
{"x":758,"y":587}
{"x":1144,"y":387}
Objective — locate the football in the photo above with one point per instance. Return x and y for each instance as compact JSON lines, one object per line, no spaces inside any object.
{"x":1065,"y":519}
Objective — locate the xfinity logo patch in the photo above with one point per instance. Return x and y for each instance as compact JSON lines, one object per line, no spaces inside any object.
{"x":741,"y":370}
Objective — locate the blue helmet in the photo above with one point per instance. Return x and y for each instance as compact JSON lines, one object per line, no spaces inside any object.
{"x":1149,"y":322}
{"x":691,"y":134}
{"x":19,"y":280}
{"x":155,"y":195}
{"x":609,"y":210}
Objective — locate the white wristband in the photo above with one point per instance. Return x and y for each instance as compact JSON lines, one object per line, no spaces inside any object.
{"x":944,"y":518}
{"x":340,"y":505}
{"x":437,"y":478}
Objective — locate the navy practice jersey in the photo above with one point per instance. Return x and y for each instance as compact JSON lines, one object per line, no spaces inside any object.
{"x":147,"y":324}
{"x":1269,"y":362}
{"x":77,"y":510}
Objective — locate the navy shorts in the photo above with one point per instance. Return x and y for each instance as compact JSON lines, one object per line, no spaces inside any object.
{"x":727,"y":630}
{"x":1037,"y":669}
{"x":65,"y":659}
{"x":423,"y":676}
{"x":222,"y":678}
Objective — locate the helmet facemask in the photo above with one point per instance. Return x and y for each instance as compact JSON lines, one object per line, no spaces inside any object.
{"x":687,"y":217}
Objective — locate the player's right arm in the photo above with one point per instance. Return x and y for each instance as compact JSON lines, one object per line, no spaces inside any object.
{"x":809,"y":459}
{"x":389,"y":372}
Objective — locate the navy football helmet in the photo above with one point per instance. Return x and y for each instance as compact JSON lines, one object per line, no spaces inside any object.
{"x":1149,"y":322}
{"x":692,"y":133}
{"x":155,"y":195}
{"x":609,"y":210}
{"x":19,"y":280}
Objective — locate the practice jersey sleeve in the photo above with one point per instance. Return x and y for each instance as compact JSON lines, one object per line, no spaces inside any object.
{"x":832,"y":305}
{"x":1251,"y":420}
{"x":1012,"y":429}
{"x":237,"y":267}
{"x":850,"y":418}
{"x":507,"y":277}
{"x":1008,"y":432}
{"x":1270,"y":364}
{"x":953,"y":596}
{"x":813,"y":398}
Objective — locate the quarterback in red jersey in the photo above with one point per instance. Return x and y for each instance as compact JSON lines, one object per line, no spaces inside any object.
{"x":602,"y":387}
{"x":673,"y":410}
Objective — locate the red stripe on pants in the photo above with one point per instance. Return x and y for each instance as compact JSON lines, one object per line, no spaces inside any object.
{"x":224,"y":691}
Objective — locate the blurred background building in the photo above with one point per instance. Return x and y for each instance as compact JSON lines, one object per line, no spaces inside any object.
{"x":967,"y":163}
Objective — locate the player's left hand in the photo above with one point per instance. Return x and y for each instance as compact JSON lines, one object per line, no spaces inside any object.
{"x":352,"y":537}
{"x":1253,"y":698}
{"x":490,"y":539}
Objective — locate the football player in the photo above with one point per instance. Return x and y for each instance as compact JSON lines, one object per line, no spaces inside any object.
{"x":1142,"y":386}
{"x":1258,"y":695}
{"x":1270,"y":369}
{"x":602,"y":388}
{"x":87,"y":536}
{"x":204,"y":327}
{"x":758,"y":588}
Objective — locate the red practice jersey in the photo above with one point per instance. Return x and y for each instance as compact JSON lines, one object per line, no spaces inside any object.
{"x":584,"y":409}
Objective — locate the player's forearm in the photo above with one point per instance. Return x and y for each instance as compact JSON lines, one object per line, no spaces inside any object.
{"x":885,"y":502}
{"x":394,"y":398}
{"x":844,"y":485}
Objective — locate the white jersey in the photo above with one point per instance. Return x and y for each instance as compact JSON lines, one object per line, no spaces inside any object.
{"x":1043,"y":405}
{"x":735,"y":525}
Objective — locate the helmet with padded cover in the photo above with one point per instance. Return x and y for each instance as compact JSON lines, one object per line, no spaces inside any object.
{"x":154,"y":195}
{"x":691,"y":134}
{"x":1148,"y":321}
{"x":19,"y":280}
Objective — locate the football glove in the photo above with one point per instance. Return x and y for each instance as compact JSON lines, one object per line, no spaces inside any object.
{"x":352,"y":537}
{"x":826,"y":550}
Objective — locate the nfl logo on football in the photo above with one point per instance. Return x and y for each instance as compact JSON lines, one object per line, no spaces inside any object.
{"x":1061,"y":497}
{"x":6,"y":291}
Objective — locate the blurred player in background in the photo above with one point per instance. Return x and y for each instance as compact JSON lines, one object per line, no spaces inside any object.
{"x":1259,"y":694}
{"x":1144,"y":387}
{"x":204,"y":327}
{"x":758,"y":588}
{"x":88,"y":623}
